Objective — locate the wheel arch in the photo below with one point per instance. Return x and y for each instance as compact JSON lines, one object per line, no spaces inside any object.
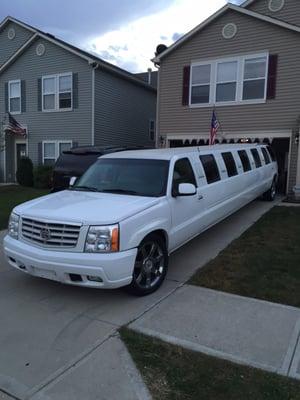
{"x":161,"y":233}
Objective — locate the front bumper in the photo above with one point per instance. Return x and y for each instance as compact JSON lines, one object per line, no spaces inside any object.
{"x":114,"y":269}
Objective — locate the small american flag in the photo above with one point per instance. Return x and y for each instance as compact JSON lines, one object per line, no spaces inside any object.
{"x":13,"y":126}
{"x":215,"y":125}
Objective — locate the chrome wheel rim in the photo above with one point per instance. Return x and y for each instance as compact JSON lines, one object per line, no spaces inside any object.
{"x":149,"y":265}
{"x":273,"y":190}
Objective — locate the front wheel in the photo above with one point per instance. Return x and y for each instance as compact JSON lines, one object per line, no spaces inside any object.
{"x":271,"y":193}
{"x":150,"y":267}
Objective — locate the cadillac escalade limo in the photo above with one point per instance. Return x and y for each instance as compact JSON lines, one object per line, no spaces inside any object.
{"x":118,"y":223}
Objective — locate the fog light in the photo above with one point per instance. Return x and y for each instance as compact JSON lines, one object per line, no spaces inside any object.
{"x":94,"y":279}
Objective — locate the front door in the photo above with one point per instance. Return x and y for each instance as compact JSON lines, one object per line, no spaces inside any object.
{"x":185,"y":209}
{"x":21,"y":151}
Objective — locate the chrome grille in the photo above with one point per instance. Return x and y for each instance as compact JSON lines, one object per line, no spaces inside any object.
{"x":50,"y":234}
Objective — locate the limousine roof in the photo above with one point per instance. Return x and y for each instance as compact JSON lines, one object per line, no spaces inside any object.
{"x":169,"y":153}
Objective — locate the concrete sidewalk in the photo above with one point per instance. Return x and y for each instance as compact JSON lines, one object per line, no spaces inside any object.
{"x":248,"y":331}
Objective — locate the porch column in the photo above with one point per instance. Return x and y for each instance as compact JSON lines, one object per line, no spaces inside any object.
{"x":297,"y":187}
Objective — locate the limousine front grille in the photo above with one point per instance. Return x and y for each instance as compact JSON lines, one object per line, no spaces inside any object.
{"x":50,"y":234}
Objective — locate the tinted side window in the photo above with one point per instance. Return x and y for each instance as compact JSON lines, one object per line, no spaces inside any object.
{"x":256,"y":158}
{"x":272,"y":154}
{"x":210,"y":168}
{"x":245,"y":160}
{"x":183,"y":173}
{"x":266,"y":155}
{"x":230,"y":164}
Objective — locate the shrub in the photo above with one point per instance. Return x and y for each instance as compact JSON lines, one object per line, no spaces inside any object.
{"x":42,"y":176}
{"x":24,"y":173}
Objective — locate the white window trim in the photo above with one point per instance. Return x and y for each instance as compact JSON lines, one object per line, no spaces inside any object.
{"x":56,"y":143}
{"x":240,"y":81}
{"x":9,"y":96}
{"x":57,"y":92}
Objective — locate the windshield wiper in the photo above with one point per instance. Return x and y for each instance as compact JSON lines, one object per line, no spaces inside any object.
{"x":84,"y":188}
{"x":120,"y":191}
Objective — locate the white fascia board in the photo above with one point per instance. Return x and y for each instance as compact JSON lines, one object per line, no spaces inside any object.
{"x":238,"y":9}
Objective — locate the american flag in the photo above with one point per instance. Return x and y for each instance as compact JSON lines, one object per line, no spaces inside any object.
{"x":215,"y":125}
{"x":13,"y":126}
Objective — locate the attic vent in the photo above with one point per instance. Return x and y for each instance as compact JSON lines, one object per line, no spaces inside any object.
{"x":40,"y":49}
{"x":11,"y":34}
{"x":276,"y":5}
{"x":229,"y":31}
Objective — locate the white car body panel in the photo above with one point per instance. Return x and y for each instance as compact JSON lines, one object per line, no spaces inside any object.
{"x":179,"y":219}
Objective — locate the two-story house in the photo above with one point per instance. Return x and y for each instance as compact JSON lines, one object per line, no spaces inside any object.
{"x":243,"y":62}
{"x":65,"y":97}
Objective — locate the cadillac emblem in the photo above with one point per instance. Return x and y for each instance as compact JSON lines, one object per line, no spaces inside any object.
{"x":45,"y":234}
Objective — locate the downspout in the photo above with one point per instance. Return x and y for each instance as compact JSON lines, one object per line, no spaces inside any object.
{"x":157,"y":128}
{"x":94,"y":67}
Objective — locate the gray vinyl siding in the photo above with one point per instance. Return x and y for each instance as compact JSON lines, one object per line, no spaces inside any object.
{"x":65,"y":125}
{"x":293,"y":162}
{"x":9,"y":47}
{"x":289,"y":13}
{"x":253,"y":36}
{"x":122,"y":111}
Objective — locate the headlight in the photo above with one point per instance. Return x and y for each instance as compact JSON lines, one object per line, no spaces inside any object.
{"x":13,"y":225}
{"x":102,"y":239}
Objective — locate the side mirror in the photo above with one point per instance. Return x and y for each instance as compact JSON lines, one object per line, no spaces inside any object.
{"x":186,"y":189}
{"x":72,"y":181}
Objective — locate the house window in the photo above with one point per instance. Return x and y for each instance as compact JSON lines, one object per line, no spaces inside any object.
{"x":255,"y":75}
{"x":52,"y":150}
{"x":238,"y":80}
{"x":226,"y":81}
{"x":152,"y":130}
{"x":201,"y":77}
{"x":57,"y":92}
{"x":14,"y":94}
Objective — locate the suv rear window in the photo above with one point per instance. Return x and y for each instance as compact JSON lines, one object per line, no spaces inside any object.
{"x":210,"y":168}
{"x":245,"y":160}
{"x":256,"y":157}
{"x":230,"y":164}
{"x":266,"y":155}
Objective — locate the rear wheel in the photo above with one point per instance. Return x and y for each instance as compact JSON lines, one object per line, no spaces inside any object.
{"x":271,"y":193}
{"x":150,"y":267}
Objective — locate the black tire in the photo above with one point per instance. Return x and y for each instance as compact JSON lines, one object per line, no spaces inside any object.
{"x":271,"y":193}
{"x":150,"y":267}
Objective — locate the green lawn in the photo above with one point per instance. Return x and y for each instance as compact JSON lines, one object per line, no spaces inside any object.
{"x":10,"y":196}
{"x":263,"y":263}
{"x":173,"y":373}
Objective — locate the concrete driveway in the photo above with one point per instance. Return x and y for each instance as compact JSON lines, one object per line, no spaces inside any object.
{"x":58,"y":342}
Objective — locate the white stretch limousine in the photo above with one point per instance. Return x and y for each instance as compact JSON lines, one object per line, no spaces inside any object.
{"x":119,"y":222}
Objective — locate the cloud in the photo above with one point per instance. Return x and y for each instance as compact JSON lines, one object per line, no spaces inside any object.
{"x":124,"y":32}
{"x":142,"y":35}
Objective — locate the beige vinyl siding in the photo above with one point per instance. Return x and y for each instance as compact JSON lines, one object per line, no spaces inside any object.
{"x":254,"y":36}
{"x":289,"y":13}
{"x":9,"y":47}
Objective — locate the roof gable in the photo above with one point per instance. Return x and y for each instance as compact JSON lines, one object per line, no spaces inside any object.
{"x":219,"y":13}
{"x":92,"y":60}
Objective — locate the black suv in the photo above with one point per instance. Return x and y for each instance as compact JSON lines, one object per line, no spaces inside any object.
{"x":76,"y":161}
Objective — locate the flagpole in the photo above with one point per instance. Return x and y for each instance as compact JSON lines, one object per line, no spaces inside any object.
{"x":221,"y":129}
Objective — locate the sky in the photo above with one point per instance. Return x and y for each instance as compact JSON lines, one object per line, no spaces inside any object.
{"x":123,"y":32}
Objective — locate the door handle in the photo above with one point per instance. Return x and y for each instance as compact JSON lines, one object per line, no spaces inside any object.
{"x":200,"y":197}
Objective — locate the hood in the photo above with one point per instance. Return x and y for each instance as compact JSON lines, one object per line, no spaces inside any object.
{"x":87,"y":208}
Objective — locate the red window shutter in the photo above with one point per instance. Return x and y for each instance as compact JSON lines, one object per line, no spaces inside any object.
{"x":186,"y":85}
{"x":272,"y":78}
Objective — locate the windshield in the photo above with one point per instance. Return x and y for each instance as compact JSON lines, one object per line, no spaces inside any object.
{"x":138,"y":177}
